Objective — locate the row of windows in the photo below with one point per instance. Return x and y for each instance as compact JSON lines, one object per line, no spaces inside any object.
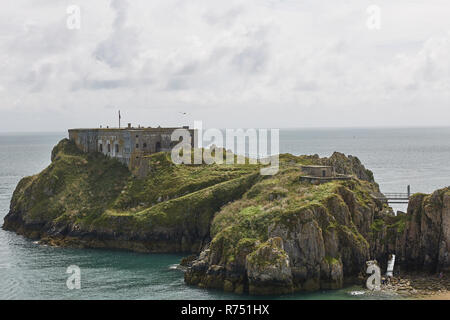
{"x":144,"y":145}
{"x":157,"y":147}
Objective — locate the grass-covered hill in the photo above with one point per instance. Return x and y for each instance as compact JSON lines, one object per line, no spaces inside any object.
{"x":249,"y":233}
{"x":90,"y":200}
{"x":284,"y":235}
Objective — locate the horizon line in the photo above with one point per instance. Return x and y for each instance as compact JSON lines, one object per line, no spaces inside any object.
{"x":280,"y":128}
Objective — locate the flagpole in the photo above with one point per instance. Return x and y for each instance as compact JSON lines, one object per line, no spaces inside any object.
{"x":119,"y":119}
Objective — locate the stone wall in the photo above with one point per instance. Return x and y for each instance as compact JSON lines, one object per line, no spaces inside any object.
{"x":319,"y":171}
{"x":128,"y":144}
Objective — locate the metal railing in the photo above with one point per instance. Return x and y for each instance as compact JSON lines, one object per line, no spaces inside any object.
{"x":396,"y":197}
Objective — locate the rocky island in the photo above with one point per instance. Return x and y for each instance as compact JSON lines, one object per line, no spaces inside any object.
{"x":245,"y":233}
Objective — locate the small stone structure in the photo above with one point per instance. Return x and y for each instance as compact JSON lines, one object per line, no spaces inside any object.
{"x":321,"y":174}
{"x":319,"y":171}
{"x":128,"y":145}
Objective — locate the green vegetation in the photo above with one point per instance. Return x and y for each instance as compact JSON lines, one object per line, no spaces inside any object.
{"x":399,"y":223}
{"x":231,"y":204}
{"x":332,"y":261}
{"x":261,"y":234}
{"x":283,"y":199}
{"x":267,"y":254}
{"x":167,"y":181}
{"x":377,"y":225}
{"x":75,"y":185}
{"x":94,"y":191}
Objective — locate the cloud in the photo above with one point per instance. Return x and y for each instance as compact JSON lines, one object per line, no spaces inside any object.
{"x":227,"y":18}
{"x":428,"y":68}
{"x":101,"y":84}
{"x":110,"y":84}
{"x":121,"y":47}
{"x":252,"y":59}
{"x":177,"y":83}
{"x":306,"y":86}
{"x":230,"y":63}
{"x":36,"y":40}
{"x":37,"y":79}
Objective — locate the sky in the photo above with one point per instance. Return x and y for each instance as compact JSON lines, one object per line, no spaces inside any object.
{"x":230,"y":64}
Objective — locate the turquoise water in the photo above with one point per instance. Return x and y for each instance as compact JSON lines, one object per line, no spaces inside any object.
{"x":31,"y":271}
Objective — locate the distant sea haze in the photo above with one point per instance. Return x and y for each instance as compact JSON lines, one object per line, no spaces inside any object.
{"x":398,"y":157}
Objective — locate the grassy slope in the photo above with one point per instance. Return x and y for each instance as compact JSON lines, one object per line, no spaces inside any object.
{"x":281,"y":199}
{"x":97,"y":193}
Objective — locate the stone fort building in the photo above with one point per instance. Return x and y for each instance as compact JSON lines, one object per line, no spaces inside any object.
{"x":129,"y":144}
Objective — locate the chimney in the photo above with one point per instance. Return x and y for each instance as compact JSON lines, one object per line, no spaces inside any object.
{"x":129,"y":126}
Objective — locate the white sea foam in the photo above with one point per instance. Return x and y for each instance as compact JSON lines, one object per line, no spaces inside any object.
{"x":357,"y":293}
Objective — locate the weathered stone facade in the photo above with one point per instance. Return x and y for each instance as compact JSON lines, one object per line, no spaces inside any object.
{"x":321,"y":174}
{"x":319,"y":171}
{"x":127,"y":145}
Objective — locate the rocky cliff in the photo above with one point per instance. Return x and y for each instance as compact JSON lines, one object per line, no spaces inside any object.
{"x":420,"y":238}
{"x":425,"y":243}
{"x":89,"y":200}
{"x":284,"y":235}
{"x":248,"y":233}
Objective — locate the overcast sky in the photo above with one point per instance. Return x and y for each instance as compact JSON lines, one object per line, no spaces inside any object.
{"x":249,"y":63}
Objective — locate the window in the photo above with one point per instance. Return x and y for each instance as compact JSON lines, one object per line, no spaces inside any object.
{"x":117,"y":148}
{"x":324,"y":173}
{"x":100,"y":147}
{"x":137,"y":145}
{"x":158,"y":147}
{"x":109,"y":147}
{"x":145,"y":145}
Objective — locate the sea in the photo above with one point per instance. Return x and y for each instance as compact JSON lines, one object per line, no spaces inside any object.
{"x":399,"y":157}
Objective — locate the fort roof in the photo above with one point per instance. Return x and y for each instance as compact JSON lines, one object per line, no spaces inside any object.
{"x":148,"y":129}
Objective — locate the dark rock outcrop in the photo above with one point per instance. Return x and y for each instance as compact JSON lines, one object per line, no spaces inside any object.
{"x":249,"y":233}
{"x":285,"y":236}
{"x":88,"y":200}
{"x":420,"y":238}
{"x":424,"y":244}
{"x":348,"y":165}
